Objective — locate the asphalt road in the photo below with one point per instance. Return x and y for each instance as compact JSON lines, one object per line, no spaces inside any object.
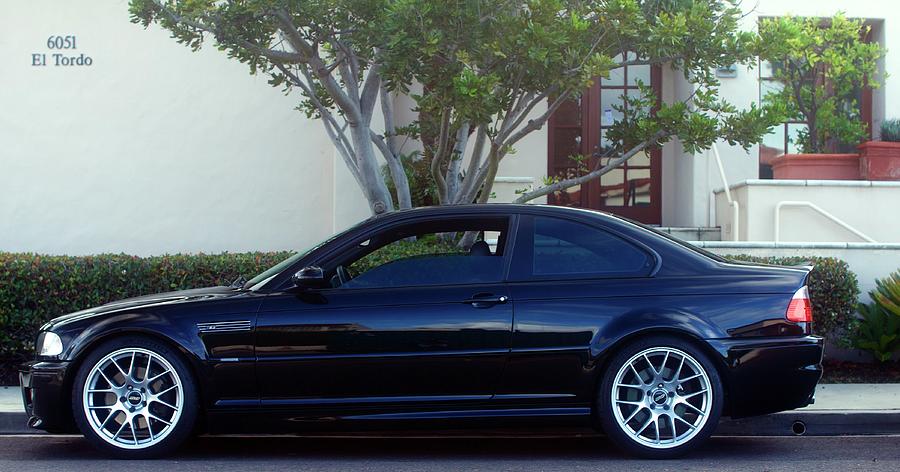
{"x":226,"y":454}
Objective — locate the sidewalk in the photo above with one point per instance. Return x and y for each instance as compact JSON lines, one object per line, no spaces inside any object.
{"x":839,"y":409}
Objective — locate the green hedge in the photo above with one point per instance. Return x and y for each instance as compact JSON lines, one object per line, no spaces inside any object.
{"x":833,"y":289}
{"x":36,"y":288}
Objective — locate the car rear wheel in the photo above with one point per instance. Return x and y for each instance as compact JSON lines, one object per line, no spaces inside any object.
{"x":134,"y":397}
{"x":660,"y":397}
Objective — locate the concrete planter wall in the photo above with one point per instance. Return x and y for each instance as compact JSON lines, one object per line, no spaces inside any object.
{"x":879,"y":160}
{"x":816,"y":167}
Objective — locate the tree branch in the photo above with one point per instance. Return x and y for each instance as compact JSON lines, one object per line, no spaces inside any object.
{"x":438,"y":156}
{"x":567,"y":183}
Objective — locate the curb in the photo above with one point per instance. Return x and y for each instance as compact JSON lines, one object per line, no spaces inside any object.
{"x":815,"y":423}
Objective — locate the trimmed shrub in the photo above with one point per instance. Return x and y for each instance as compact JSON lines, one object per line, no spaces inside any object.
{"x":36,"y":288}
{"x":833,"y":290}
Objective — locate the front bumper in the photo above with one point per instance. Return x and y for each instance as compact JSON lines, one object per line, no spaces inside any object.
{"x":46,"y":395}
{"x":766,"y":375}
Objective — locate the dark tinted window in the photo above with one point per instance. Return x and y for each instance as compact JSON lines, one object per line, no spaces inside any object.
{"x":440,"y":252}
{"x":563,"y":247}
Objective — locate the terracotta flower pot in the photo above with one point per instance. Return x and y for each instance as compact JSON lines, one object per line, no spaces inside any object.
{"x":879,"y":160}
{"x":816,"y":167}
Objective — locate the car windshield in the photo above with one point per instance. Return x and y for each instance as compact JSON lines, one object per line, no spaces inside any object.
{"x":261,"y":279}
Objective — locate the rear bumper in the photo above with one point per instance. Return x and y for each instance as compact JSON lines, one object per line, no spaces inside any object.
{"x":766,"y":375}
{"x":46,"y":395}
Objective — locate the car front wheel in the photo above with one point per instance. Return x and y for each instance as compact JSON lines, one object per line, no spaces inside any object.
{"x":134,"y":398}
{"x":660,"y":398}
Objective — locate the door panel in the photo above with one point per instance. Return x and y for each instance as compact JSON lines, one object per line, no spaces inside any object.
{"x":568,"y":281}
{"x":382,"y":345}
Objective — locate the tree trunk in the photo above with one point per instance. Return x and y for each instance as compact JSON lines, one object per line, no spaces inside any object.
{"x":375,"y":190}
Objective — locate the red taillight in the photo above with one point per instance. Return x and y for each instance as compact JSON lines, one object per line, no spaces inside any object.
{"x":800,"y":308}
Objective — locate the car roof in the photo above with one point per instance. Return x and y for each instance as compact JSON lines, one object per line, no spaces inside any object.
{"x":494,"y":208}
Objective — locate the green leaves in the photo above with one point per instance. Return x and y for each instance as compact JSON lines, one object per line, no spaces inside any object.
{"x":887,"y":293}
{"x":878,"y":332}
{"x":822,"y":64}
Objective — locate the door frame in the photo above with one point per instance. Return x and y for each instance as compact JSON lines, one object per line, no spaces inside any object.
{"x":590,"y":111}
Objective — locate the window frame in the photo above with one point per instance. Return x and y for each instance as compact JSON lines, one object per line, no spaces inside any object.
{"x":328,"y":262}
{"x":522,"y":267}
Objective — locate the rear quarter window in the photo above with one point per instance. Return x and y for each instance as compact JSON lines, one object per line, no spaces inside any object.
{"x":567,"y":248}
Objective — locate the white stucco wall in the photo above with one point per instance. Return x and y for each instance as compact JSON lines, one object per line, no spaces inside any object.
{"x":868,"y":207}
{"x":151,"y":149}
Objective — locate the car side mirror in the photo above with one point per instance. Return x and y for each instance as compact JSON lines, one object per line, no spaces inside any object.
{"x":309,"y":277}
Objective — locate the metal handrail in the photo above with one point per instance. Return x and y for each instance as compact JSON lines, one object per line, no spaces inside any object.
{"x":735,"y":206}
{"x":822,"y":212}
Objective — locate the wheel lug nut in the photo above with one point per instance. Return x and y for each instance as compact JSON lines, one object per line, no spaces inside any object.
{"x":122,"y":399}
{"x":143,"y":389}
{"x":660,"y":385}
{"x":665,"y":407}
{"x":671,"y":394}
{"x":129,"y":387}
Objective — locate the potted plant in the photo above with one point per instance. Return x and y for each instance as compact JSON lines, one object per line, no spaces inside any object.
{"x":880,"y":160}
{"x":821,"y":65}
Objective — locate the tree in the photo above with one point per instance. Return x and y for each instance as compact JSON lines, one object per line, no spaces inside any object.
{"x":822,"y":65}
{"x":490,"y":71}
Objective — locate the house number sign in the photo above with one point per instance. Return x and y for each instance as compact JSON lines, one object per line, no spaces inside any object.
{"x":62,"y":51}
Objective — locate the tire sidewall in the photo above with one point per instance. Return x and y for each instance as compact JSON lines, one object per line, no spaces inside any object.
{"x":607,"y":417}
{"x":181,"y":430}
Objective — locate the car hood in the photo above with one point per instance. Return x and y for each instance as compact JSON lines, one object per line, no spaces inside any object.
{"x":166,"y":298}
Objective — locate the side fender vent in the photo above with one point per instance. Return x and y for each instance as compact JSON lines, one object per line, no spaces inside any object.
{"x":224,"y":326}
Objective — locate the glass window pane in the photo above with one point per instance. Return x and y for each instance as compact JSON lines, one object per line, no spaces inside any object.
{"x":608,"y":99}
{"x":612,"y":186}
{"x":765,"y":69}
{"x":563,"y":247}
{"x":431,"y":258}
{"x":767,"y":87}
{"x":616,"y":76}
{"x":635,"y":93}
{"x":605,"y":144}
{"x":639,"y":73}
{"x":772,"y":145}
{"x":639,"y":159}
{"x":638,"y":189}
{"x":793,"y":129}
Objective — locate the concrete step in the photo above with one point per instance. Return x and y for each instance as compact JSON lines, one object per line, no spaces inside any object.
{"x":687,"y":233}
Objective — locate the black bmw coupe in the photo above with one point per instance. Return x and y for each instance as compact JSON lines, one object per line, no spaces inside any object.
{"x":457,"y":316}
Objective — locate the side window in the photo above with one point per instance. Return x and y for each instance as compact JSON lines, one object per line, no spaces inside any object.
{"x":566,"y":248}
{"x":441,"y":253}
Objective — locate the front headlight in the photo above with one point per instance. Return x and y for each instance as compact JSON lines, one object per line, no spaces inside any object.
{"x":49,"y":344}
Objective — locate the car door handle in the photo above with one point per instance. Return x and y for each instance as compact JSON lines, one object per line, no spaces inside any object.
{"x":486,"y":301}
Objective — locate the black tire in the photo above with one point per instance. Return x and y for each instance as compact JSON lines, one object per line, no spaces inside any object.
{"x":624,"y":439}
{"x":181,"y":430}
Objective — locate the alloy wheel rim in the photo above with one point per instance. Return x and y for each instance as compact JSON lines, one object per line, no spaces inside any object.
{"x":133,"y":398}
{"x":662,"y":397}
